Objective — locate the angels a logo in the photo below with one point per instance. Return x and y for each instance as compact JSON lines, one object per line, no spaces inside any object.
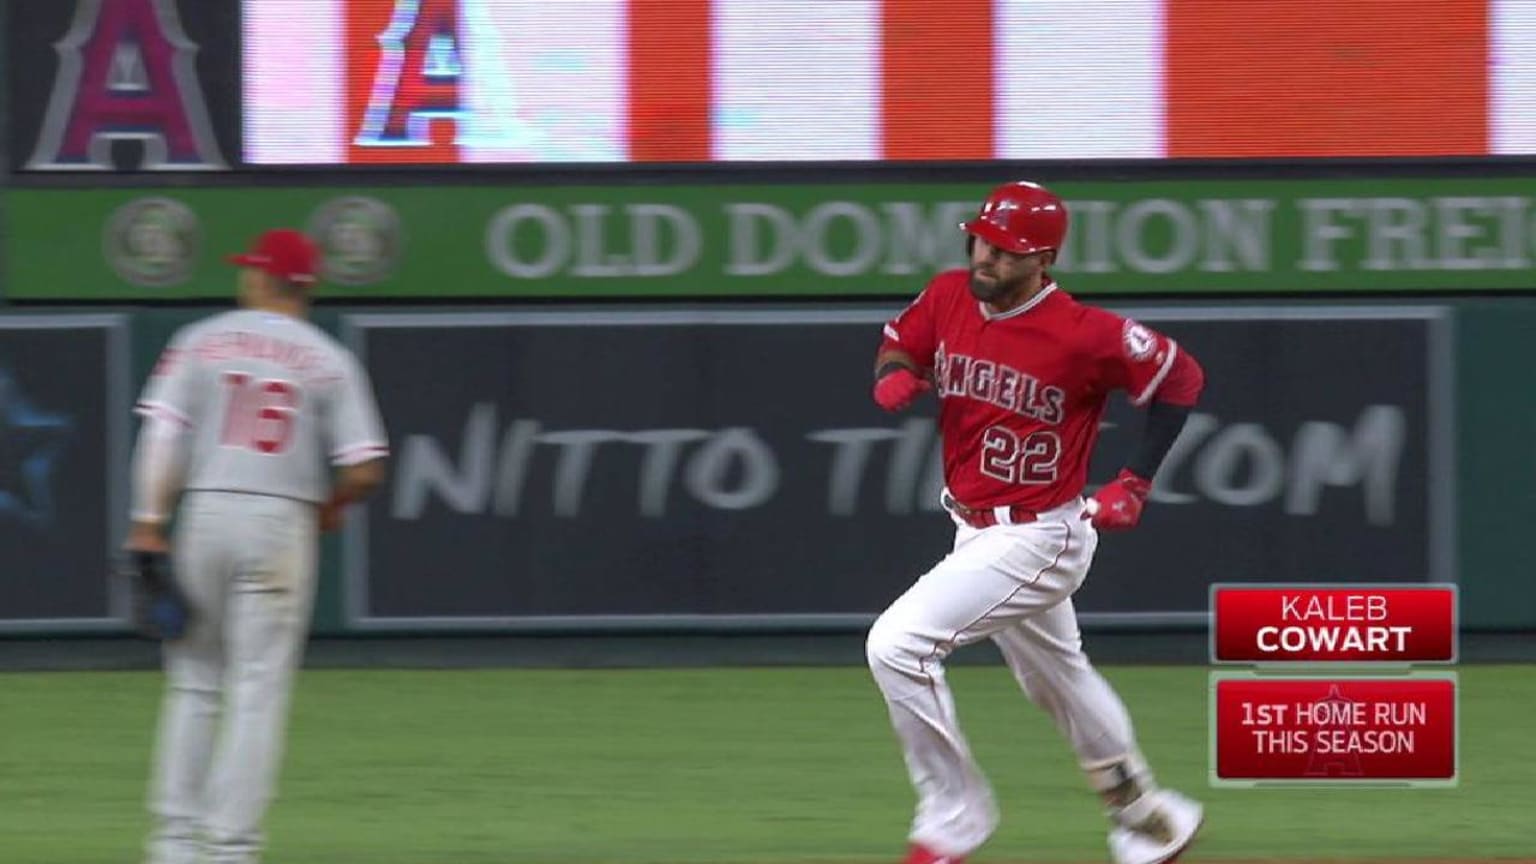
{"x":126,"y":72}
{"x":999,"y":212}
{"x":419,"y":75}
{"x":1140,"y":343}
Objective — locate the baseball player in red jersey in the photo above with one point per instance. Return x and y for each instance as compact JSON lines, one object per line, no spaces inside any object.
{"x":1022,"y":372}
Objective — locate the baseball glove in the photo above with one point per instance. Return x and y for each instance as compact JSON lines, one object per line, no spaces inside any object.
{"x":160,"y":609}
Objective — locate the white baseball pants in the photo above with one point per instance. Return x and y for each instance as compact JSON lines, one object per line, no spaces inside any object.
{"x":1014,"y":584}
{"x":247,"y":564}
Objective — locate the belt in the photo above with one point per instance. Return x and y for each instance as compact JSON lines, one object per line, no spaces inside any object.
{"x":985,"y":518}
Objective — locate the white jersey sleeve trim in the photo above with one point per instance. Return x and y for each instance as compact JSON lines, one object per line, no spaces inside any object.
{"x":358,"y":453}
{"x":162,"y":411}
{"x":1162,"y":373}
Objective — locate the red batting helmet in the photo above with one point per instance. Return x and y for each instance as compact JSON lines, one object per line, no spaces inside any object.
{"x":1021,"y":217}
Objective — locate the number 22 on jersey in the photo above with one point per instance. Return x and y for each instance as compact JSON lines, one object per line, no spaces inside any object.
{"x":259,"y":415}
{"x":1030,"y":460}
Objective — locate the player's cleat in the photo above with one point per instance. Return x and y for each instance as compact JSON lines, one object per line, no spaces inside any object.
{"x":1162,"y":835}
{"x":920,"y":854}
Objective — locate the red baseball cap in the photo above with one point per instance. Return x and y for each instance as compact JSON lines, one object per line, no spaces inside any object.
{"x":285,"y":253}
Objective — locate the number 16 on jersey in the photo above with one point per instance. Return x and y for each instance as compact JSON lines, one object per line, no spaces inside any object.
{"x":260,"y":413}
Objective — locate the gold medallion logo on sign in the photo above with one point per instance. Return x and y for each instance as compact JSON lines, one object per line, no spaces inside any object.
{"x":152,"y":242}
{"x":359,"y":238}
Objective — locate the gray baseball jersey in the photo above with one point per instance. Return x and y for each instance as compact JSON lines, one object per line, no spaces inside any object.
{"x":269,"y":399}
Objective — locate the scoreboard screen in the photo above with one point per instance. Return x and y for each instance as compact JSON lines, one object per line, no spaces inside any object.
{"x":510,"y":81}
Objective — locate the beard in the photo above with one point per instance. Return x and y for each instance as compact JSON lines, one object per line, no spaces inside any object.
{"x":996,"y":289}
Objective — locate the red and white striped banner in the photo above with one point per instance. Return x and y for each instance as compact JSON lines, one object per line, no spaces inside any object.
{"x":434,"y":81}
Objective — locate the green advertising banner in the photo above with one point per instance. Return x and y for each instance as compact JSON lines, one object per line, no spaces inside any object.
{"x":1164,"y":237}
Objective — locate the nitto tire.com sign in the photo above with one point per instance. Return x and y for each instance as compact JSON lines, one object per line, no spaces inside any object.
{"x":600,"y":468}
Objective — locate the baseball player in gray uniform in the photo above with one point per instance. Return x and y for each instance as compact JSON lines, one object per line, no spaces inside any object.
{"x":240,"y":418}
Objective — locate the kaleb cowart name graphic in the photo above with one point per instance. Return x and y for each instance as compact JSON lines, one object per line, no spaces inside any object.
{"x":1365,"y":623}
{"x":1315,"y":625}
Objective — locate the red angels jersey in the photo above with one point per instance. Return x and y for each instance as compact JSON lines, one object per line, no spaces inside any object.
{"x":1021,"y":392}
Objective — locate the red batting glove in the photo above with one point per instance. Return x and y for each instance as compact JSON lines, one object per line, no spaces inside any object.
{"x":1117,"y":505}
{"x":899,"y":389}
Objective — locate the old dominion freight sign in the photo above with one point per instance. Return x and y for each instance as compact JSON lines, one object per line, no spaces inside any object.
{"x":1193,"y":237}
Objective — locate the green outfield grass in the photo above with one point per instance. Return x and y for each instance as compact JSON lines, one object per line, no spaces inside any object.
{"x":737,"y":766}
